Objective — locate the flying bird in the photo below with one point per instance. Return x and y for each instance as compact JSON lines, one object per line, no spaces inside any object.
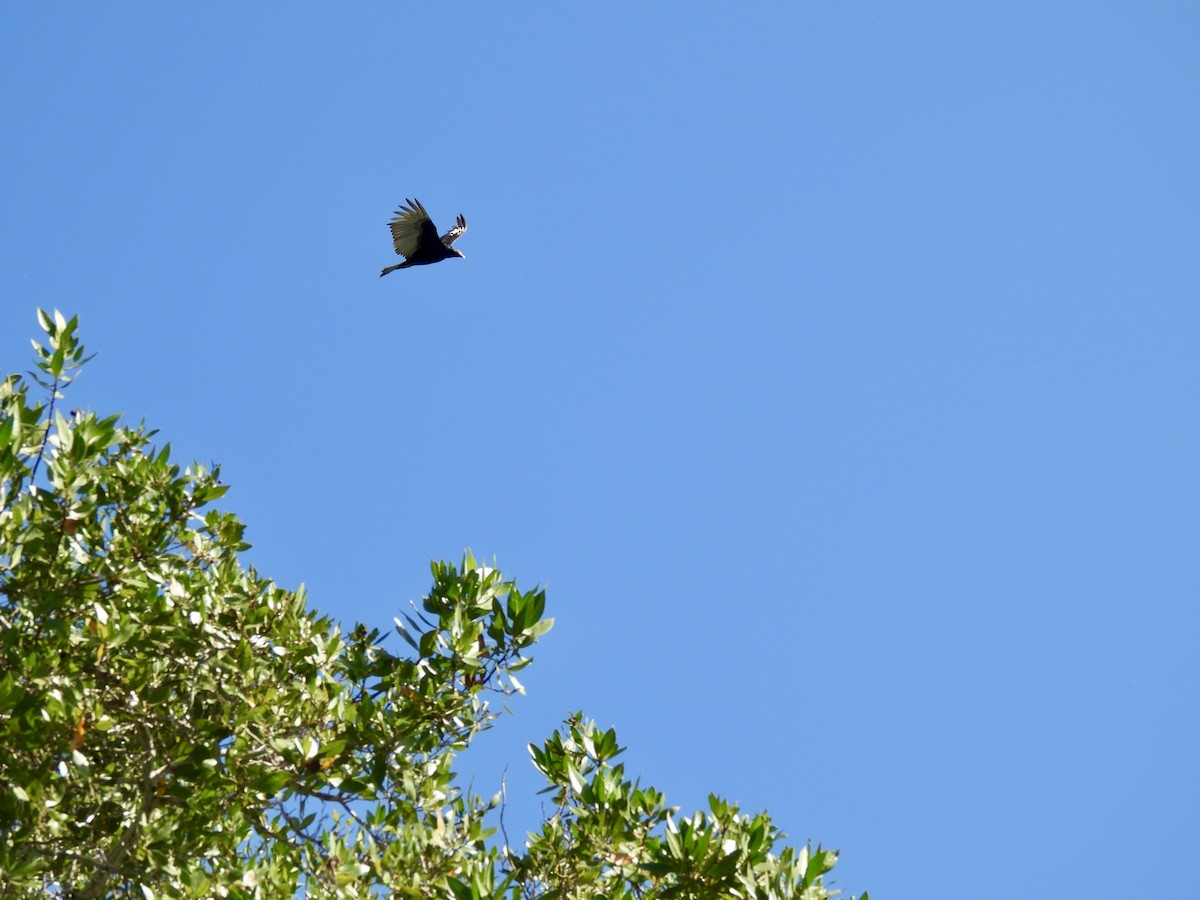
{"x":415,"y":237}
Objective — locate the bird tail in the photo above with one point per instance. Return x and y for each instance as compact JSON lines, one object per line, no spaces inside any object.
{"x":391,"y":269}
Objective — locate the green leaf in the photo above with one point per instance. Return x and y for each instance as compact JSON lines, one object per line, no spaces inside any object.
{"x":573,"y":776}
{"x":538,"y":629}
{"x":403,"y":632}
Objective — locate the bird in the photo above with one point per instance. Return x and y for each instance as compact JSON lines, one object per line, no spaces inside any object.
{"x":415,"y":237}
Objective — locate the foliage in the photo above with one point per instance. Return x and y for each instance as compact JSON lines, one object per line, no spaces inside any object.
{"x":176,"y":725}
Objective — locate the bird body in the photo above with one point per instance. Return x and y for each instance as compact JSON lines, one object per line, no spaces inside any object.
{"x":415,"y":237}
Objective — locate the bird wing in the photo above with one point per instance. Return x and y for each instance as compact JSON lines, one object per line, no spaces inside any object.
{"x":459,"y":229}
{"x":411,"y":227}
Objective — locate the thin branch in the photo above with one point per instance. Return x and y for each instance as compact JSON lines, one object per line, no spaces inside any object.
{"x":46,"y":437}
{"x":503,"y":806}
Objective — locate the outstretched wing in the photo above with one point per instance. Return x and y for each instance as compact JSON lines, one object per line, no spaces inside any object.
{"x":459,"y":229}
{"x":411,"y":228}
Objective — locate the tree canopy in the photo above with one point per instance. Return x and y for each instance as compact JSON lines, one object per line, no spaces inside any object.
{"x":175,"y":724}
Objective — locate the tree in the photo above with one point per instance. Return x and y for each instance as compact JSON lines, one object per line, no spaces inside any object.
{"x":176,"y":725}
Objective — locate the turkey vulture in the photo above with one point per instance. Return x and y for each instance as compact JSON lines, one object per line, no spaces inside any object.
{"x":415,"y":238}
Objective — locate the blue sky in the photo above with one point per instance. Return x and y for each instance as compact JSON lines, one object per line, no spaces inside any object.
{"x":833,"y":364}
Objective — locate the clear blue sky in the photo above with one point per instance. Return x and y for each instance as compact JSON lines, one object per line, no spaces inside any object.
{"x":834,"y":364}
